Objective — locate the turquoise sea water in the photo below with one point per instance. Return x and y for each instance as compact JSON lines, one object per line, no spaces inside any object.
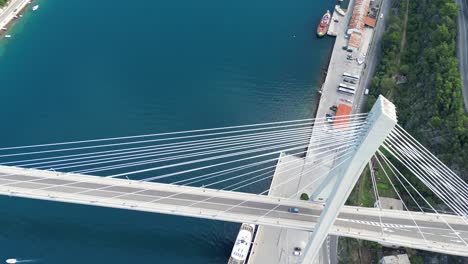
{"x":75,"y":70}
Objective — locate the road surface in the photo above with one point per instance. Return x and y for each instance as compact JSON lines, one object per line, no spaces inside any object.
{"x":11,"y":10}
{"x":374,"y":55}
{"x":386,"y":226}
{"x":463,"y":47}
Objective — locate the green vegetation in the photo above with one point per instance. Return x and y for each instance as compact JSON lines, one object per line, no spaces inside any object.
{"x":3,"y":2}
{"x":304,"y":196}
{"x":420,"y":74}
{"x":363,"y":192}
{"x":353,"y":250}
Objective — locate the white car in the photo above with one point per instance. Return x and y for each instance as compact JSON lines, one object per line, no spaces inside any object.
{"x":297,"y":251}
{"x":381,"y":15}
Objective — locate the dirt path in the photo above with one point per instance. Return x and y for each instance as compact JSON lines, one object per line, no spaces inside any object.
{"x":403,"y":38}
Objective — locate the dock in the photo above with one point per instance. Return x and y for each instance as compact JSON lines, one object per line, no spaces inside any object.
{"x":276,"y":245}
{"x":335,"y":20}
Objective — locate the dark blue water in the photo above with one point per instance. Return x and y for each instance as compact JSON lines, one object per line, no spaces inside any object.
{"x":79,"y":70}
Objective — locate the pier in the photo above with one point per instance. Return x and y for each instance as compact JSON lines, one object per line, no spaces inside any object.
{"x":276,"y":245}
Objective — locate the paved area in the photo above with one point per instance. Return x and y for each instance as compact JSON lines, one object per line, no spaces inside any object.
{"x":274,"y":244}
{"x":339,"y":64}
{"x":374,"y":56}
{"x":463,"y":47}
{"x":334,"y":24}
{"x":9,"y":12}
{"x":384,"y":226}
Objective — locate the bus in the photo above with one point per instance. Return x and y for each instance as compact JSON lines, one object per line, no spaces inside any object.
{"x":346,"y":90}
{"x":351,"y":75}
{"x":347,"y":86}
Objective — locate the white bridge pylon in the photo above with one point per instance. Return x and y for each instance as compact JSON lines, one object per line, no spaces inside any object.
{"x":380,"y":122}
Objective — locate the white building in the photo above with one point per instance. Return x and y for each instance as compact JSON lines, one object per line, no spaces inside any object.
{"x":395,"y":259}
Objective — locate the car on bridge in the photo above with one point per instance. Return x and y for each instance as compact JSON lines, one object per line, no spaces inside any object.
{"x":293,"y":210}
{"x":297,"y":251}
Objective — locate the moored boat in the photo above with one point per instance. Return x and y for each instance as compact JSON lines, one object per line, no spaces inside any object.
{"x":323,"y":25}
{"x":35,"y":7}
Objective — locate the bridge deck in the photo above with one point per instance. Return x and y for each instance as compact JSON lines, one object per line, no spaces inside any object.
{"x":397,"y":227}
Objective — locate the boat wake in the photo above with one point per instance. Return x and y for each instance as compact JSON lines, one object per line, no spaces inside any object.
{"x":14,"y":261}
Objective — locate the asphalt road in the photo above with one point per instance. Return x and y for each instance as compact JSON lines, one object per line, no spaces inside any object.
{"x":463,"y":47}
{"x":373,"y":57}
{"x":215,"y":204}
{"x":11,"y":9}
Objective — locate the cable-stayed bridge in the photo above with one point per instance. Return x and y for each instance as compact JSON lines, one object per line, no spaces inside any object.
{"x":223,"y":174}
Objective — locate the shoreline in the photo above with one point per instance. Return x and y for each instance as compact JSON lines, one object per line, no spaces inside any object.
{"x":335,"y":64}
{"x":11,"y":14}
{"x":321,"y":81}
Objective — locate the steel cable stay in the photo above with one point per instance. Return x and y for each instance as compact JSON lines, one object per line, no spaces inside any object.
{"x":165,"y":197}
{"x":411,"y":150}
{"x":205,"y":186}
{"x":162,"y":176}
{"x":203,"y":177}
{"x":439,"y":179}
{"x":399,"y":175}
{"x":85,"y":180}
{"x":217,"y":148}
{"x":449,"y":200}
{"x":299,"y":191}
{"x":146,"y":149}
{"x":283,"y":147}
{"x":376,"y":194}
{"x":132,"y":164}
{"x":166,"y":147}
{"x":91,"y":189}
{"x":396,"y":191}
{"x":403,"y":133}
{"x":309,"y":120}
{"x":144,"y":141}
{"x":248,"y":200}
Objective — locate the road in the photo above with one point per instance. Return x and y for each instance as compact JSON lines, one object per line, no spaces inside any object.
{"x":11,"y":10}
{"x":374,"y":55}
{"x":463,"y":47}
{"x":387,"y":226}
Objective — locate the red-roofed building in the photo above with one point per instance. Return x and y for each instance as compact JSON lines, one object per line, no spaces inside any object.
{"x":357,"y":23}
{"x":342,"y":116}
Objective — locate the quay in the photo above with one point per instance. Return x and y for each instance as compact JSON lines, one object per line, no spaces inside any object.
{"x":354,"y":31}
{"x":11,"y":11}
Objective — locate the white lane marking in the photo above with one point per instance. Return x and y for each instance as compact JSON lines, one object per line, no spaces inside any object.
{"x":374,"y":223}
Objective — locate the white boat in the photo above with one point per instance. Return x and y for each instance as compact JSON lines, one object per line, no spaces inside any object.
{"x":35,"y":7}
{"x":7,"y":36}
{"x":339,"y":10}
{"x":11,"y":261}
